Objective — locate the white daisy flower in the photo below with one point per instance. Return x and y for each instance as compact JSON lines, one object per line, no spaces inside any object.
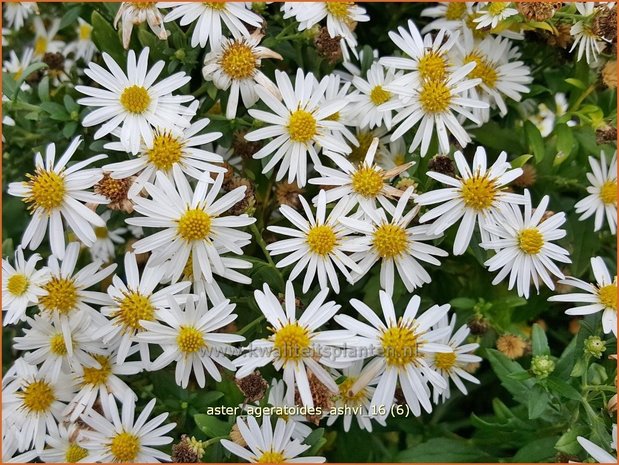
{"x":65,"y":291}
{"x":65,"y":447}
{"x":339,"y":89}
{"x":134,"y":302}
{"x":44,"y":37}
{"x":451,"y":365}
{"x":364,"y":184}
{"x":16,"y":66}
{"x":83,"y":47}
{"x":193,"y":225}
{"x":391,"y":155}
{"x":168,"y":149}
{"x":133,"y":101}
{"x":342,"y":18}
{"x":104,"y":248}
{"x":298,"y":124}
{"x":122,"y":438}
{"x":133,"y":13}
{"x":523,"y":245}
{"x":589,"y":43}
{"x":21,"y":286}
{"x":355,"y":404}
{"x":447,"y":15}
{"x":33,"y":403}
{"x":269,"y":445}
{"x":475,"y":196}
{"x":599,"y":454}
{"x":401,"y":346}
{"x":317,"y":244}
{"x":54,"y":194}
{"x":10,"y":444}
{"x":602,"y":198}
{"x":209,"y":16}
{"x":395,"y":244}
{"x":16,"y":13}
{"x":46,"y":341}
{"x":296,"y":344}
{"x":490,"y":14}
{"x":372,"y":94}
{"x":599,"y":297}
{"x":235,"y":64}
{"x":192,"y":339}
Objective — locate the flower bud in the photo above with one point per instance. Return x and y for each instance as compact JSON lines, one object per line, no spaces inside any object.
{"x":542,"y":366}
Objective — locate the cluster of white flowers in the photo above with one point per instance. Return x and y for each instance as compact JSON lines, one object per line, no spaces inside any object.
{"x":64,"y":399}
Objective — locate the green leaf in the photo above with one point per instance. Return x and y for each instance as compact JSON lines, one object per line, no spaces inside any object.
{"x":267,"y":274}
{"x":106,"y":38}
{"x":316,"y":440}
{"x":150,"y":40}
{"x":576,"y":83}
{"x":8,"y":248}
{"x":43,"y":89}
{"x":538,"y":402}
{"x":213,"y":427}
{"x":535,"y":141}
{"x":462,"y":303}
{"x":70,"y":104}
{"x":443,"y":450}
{"x":27,"y":72}
{"x":55,"y":110}
{"x":562,"y":387}
{"x":69,"y":129}
{"x":565,"y":139}
{"x":539,"y":341}
{"x":521,"y":160}
{"x":568,"y":442}
{"x":504,"y":367}
{"x":70,"y":17}
{"x":538,"y":450}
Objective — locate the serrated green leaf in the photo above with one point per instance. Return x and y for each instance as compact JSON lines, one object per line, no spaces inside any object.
{"x":561,"y":387}
{"x":503,"y":367}
{"x":439,"y":450}
{"x":537,"y":402}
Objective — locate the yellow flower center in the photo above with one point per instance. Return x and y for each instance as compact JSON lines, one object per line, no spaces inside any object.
{"x":135,"y":99}
{"x":238,"y":61}
{"x":390,"y":240}
{"x":347,"y":395}
{"x":445,"y":360}
{"x":188,"y":269}
{"x":219,"y":6}
{"x":189,"y":340}
{"x":358,"y":153}
{"x":17,"y":284}
{"x":496,"y":8}
{"x":133,"y":308}
{"x":399,"y":344}
{"x":367,"y":181}
{"x":60,"y":295}
{"x":142,"y":5}
{"x":455,"y":10}
{"x":194,"y":225}
{"x":165,"y":152}
{"x":472,"y":26}
{"x":101,"y":232}
{"x":301,"y":126}
{"x":478,"y":192}
{"x":321,"y":239}
{"x":272,"y":456}
{"x":339,"y":10}
{"x":435,"y":96}
{"x":608,"y":296}
{"x":292,"y":342}
{"x":432,"y":66}
{"x":40,"y":45}
{"x":47,"y":190}
{"x":57,"y":345}
{"x":483,"y":70}
{"x":85,"y":30}
{"x":530,"y":241}
{"x":608,"y":193}
{"x":97,"y":376}
{"x":334,"y":117}
{"x":38,"y":396}
{"x":125,"y":447}
{"x":75,"y":453}
{"x":378,"y":95}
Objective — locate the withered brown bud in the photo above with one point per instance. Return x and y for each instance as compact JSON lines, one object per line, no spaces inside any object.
{"x":478,"y":325}
{"x":442,"y":164}
{"x":183,"y":452}
{"x":605,"y":24}
{"x":322,"y":396}
{"x":55,"y":61}
{"x":244,"y":148}
{"x":34,"y":78}
{"x":609,"y":74}
{"x":605,"y":135}
{"x":115,"y":190}
{"x":527,"y":178}
{"x":328,"y":47}
{"x":288,"y":194}
{"x":563,"y":38}
{"x":511,"y":346}
{"x":538,"y":11}
{"x":236,"y":436}
{"x":252,"y":386}
{"x":248,"y":202}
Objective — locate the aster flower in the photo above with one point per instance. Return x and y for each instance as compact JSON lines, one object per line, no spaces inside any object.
{"x":490,"y":14}
{"x":133,"y":101}
{"x":268,"y":445}
{"x":21,"y":286}
{"x":589,"y":43}
{"x":54,"y":194}
{"x":475,"y":196}
{"x":598,"y":297}
{"x":44,"y":37}
{"x":10,"y":444}
{"x":16,"y":66}
{"x":599,"y":454}
{"x":192,"y":225}
{"x":523,"y":245}
{"x":298,"y":125}
{"x":395,"y":244}
{"x":235,"y":64}
{"x":318,"y":243}
{"x":401,"y":346}
{"x":451,"y":16}
{"x":296,"y":345}
{"x":16,"y":13}
{"x":209,"y":16}
{"x":83,"y":47}
{"x":104,"y":248}
{"x":64,"y":446}
{"x":133,"y":302}
{"x":33,"y":404}
{"x":602,"y":198}
{"x":339,"y":89}
{"x":133,"y":13}
{"x":192,"y":338}
{"x":122,"y":438}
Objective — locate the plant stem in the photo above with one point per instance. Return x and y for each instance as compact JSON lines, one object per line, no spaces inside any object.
{"x":261,"y":243}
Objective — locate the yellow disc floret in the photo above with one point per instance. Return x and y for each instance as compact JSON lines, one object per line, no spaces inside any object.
{"x":238,"y":61}
{"x":125,"y":447}
{"x":292,"y":342}
{"x":301,"y":126}
{"x":399,"y":345}
{"x":132,"y":308}
{"x":390,"y":240}
{"x":37,"y":396}
{"x":530,"y":241}
{"x":445,"y":360}
{"x":47,"y":190}
{"x":321,"y":239}
{"x":57,"y":345}
{"x":97,"y":376}
{"x":165,"y":152}
{"x":608,"y":296}
{"x":17,"y":284}
{"x":194,"y":225}
{"x":75,"y":453}
{"x":135,"y":99}
{"x":367,"y":181}
{"x":435,"y":96}
{"x":60,"y":295}
{"x":483,"y":70}
{"x":478,"y":192}
{"x":189,"y":340}
{"x":608,"y":192}
{"x":432,"y":66}
{"x":379,"y":95}
{"x":272,"y":457}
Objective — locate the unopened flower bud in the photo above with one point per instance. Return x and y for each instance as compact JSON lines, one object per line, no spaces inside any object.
{"x":542,"y":366}
{"x":595,"y":346}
